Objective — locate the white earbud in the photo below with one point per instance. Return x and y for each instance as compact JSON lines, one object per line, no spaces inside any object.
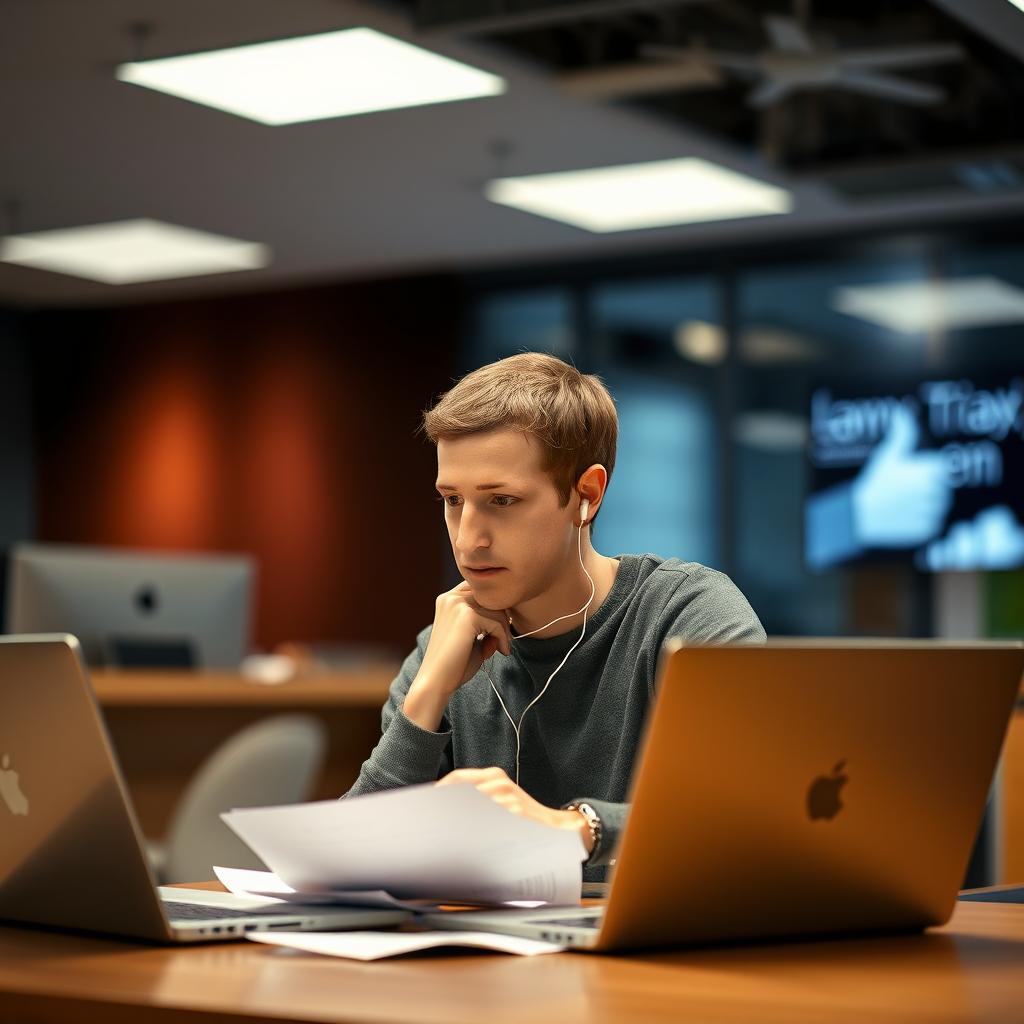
{"x":584,"y":510}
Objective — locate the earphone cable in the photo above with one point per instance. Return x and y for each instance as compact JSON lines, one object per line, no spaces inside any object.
{"x":583,"y":633}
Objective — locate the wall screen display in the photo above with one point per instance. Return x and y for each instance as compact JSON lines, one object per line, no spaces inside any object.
{"x":931,"y":471}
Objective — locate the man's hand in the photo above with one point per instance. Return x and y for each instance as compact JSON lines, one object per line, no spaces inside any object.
{"x":493,"y":782}
{"x":453,"y":655}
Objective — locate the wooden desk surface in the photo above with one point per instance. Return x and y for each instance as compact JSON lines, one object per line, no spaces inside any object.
{"x":364,"y":687}
{"x":971,"y":970}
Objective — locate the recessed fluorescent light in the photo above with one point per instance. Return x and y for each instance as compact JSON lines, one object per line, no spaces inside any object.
{"x":129,"y":251}
{"x":647,"y":195}
{"x":701,"y":342}
{"x":918,"y":306}
{"x":1019,"y":4}
{"x":334,"y":74}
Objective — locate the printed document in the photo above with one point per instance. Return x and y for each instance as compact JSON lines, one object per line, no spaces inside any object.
{"x":438,"y":843}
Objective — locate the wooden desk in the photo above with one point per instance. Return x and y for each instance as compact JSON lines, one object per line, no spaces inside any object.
{"x":164,"y":724}
{"x":972,"y":970}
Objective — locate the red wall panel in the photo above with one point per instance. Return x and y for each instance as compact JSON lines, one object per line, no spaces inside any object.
{"x":282,"y":425}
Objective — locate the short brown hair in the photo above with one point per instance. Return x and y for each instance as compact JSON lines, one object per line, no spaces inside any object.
{"x":571,"y":414}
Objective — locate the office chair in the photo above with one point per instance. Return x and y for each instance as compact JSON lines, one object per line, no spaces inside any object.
{"x":273,"y":761}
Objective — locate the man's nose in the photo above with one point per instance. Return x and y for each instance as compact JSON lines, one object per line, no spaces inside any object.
{"x":473,"y":533}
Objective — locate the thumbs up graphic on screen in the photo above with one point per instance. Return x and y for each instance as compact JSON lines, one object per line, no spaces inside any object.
{"x":902,"y":495}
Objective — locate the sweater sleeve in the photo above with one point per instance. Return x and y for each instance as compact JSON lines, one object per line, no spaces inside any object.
{"x":406,"y":754}
{"x":711,"y":610}
{"x":707,"y":607}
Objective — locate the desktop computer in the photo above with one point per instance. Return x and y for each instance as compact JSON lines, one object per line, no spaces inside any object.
{"x":134,"y":608}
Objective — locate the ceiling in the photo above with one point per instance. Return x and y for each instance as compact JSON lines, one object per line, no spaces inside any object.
{"x":401,"y":191}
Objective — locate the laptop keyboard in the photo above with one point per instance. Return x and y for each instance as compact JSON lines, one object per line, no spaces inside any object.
{"x":199,"y":912}
{"x":572,"y":922}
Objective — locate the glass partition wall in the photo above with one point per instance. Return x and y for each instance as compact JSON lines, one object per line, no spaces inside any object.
{"x":728,"y":379}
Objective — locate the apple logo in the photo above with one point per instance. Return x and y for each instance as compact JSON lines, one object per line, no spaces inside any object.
{"x":823,"y":796}
{"x":9,"y":788}
{"x":147,"y":599}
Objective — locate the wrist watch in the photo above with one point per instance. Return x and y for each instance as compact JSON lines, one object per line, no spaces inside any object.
{"x":593,"y":823}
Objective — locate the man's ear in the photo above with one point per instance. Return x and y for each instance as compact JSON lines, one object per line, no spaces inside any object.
{"x":591,"y":486}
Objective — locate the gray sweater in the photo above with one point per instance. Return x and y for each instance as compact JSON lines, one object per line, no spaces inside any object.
{"x":580,"y":740}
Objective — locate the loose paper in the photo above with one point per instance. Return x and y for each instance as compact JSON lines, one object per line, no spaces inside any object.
{"x":266,"y":885}
{"x":438,"y":843}
{"x":376,"y":945}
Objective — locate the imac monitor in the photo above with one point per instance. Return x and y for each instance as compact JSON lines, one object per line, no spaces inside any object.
{"x":131,"y":608}
{"x":929,"y":471}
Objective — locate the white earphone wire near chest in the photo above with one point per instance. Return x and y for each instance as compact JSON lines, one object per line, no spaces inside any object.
{"x":516,"y":727}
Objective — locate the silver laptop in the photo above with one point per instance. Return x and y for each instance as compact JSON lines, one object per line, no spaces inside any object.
{"x":71,"y":853}
{"x":798,"y":788}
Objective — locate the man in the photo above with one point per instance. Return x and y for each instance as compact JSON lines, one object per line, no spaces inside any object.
{"x":534,"y":680}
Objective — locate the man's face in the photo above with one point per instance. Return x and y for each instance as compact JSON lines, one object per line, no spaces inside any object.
{"x":510,"y":539}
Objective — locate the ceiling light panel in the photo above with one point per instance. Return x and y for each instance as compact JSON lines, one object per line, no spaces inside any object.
{"x":334,"y":74}
{"x":129,"y":251}
{"x":918,"y":306}
{"x":648,"y":195}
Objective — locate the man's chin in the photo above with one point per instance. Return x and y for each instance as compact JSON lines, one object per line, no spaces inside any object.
{"x":494,"y":599}
{"x":491,"y":601}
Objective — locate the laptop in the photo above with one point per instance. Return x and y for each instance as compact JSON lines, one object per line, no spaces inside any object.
{"x":71,"y":853}
{"x":794,"y":789}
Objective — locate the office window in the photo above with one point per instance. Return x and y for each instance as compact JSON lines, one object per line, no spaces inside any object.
{"x":985,"y":352}
{"x":659,"y":346}
{"x":799,"y":329}
{"x":988,"y":337}
{"x":715,"y":459}
{"x":503,"y":323}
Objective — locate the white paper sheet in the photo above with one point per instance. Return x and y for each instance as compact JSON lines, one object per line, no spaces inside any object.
{"x":246,"y":882}
{"x":266,"y":885}
{"x":448,"y":843}
{"x":376,"y":945}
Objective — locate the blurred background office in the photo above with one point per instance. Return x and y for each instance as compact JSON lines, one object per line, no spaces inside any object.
{"x":245,"y":244}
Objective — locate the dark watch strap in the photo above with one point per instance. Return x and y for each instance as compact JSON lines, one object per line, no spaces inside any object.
{"x":593,"y":820}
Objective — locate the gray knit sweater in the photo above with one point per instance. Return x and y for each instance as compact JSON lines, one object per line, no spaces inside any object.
{"x":580,"y":740}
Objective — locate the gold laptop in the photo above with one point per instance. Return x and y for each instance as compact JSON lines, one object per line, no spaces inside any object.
{"x":797,"y":788}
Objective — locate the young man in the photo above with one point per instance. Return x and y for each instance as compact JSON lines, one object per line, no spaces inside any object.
{"x":533,"y":681}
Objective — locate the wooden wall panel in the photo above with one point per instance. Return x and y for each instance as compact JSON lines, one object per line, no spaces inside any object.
{"x":282,"y":425}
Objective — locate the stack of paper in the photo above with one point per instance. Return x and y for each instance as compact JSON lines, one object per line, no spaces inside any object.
{"x":366,"y":945}
{"x":377,"y":945}
{"x":435,"y":843}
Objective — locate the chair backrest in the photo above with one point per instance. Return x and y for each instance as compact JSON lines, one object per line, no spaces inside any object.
{"x":273,"y":761}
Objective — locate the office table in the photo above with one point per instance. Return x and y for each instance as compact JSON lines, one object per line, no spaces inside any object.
{"x":163,"y":724}
{"x":971,"y":970}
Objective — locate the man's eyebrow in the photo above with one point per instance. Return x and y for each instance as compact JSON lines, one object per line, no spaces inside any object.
{"x":479,"y":487}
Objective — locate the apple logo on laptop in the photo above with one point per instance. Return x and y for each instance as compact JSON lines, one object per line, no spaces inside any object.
{"x":9,"y":788}
{"x":823,"y":796}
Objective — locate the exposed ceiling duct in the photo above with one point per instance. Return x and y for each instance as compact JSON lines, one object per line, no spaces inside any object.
{"x":804,"y":85}
{"x":796,"y":61}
